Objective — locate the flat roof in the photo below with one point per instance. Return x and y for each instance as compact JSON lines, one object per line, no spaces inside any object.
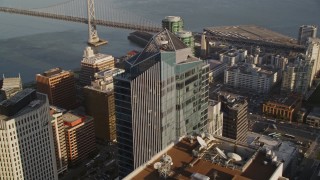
{"x":68,"y":117}
{"x":287,"y":101}
{"x":182,"y":157}
{"x":97,"y":58}
{"x":251,"y":32}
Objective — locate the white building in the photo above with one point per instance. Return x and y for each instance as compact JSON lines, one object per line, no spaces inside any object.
{"x":297,"y":76}
{"x":233,"y":56}
{"x":249,"y":76}
{"x":26,"y":140}
{"x":215,"y":118}
{"x":313,"y":54}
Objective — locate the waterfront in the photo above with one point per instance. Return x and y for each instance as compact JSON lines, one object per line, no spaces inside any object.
{"x":30,"y":45}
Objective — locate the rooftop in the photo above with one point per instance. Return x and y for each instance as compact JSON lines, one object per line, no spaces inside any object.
{"x":284,"y":150}
{"x":233,"y":101}
{"x":11,"y":82}
{"x":251,"y":32}
{"x":251,"y":69}
{"x":287,"y":101}
{"x":89,"y":57}
{"x":188,"y":158}
{"x":23,"y":102}
{"x":68,"y":117}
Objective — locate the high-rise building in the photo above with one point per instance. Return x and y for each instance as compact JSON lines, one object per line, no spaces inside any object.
{"x":172,"y":23}
{"x":59,"y":139}
{"x":99,"y":103}
{"x":10,"y":86}
{"x":59,"y":85}
{"x":26,"y":139}
{"x":305,"y":32}
{"x":162,"y":95}
{"x":93,"y":63}
{"x":80,"y":137}
{"x":313,"y":54}
{"x":248,"y":76}
{"x":215,"y":118}
{"x":297,"y":76}
{"x":235,"y":121}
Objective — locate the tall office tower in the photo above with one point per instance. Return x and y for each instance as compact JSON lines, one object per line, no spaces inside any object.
{"x":313,"y":54}
{"x":215,"y":118}
{"x":297,"y":76}
{"x":59,"y":139}
{"x":162,"y":95}
{"x":80,"y":138}
{"x":99,"y":103}
{"x":59,"y":85}
{"x":93,"y":63}
{"x":235,"y":121}
{"x":172,"y":23}
{"x":10,"y":86}
{"x":26,"y":139}
{"x":305,"y":32}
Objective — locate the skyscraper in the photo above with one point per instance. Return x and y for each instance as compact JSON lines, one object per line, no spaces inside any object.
{"x":162,"y":95}
{"x":59,"y":139}
{"x":93,"y":63}
{"x":26,"y":140}
{"x":80,"y":137}
{"x":59,"y":85}
{"x":99,"y":103}
{"x":305,"y":32}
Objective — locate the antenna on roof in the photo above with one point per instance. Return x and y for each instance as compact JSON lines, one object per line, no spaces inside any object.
{"x":202,"y":142}
{"x":164,"y":166}
{"x":221,"y":153}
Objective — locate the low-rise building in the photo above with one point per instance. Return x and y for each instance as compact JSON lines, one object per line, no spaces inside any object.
{"x":282,"y":108}
{"x":216,"y":158}
{"x":313,"y":118}
{"x":80,"y":137}
{"x":249,"y":76}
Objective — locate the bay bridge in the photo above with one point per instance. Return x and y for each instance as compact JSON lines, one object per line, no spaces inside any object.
{"x":100,"y":12}
{"x":91,"y":12}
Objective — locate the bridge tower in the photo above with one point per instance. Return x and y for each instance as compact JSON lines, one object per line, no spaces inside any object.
{"x":93,"y":40}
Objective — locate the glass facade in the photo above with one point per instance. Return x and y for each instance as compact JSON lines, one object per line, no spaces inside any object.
{"x":161,"y":96}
